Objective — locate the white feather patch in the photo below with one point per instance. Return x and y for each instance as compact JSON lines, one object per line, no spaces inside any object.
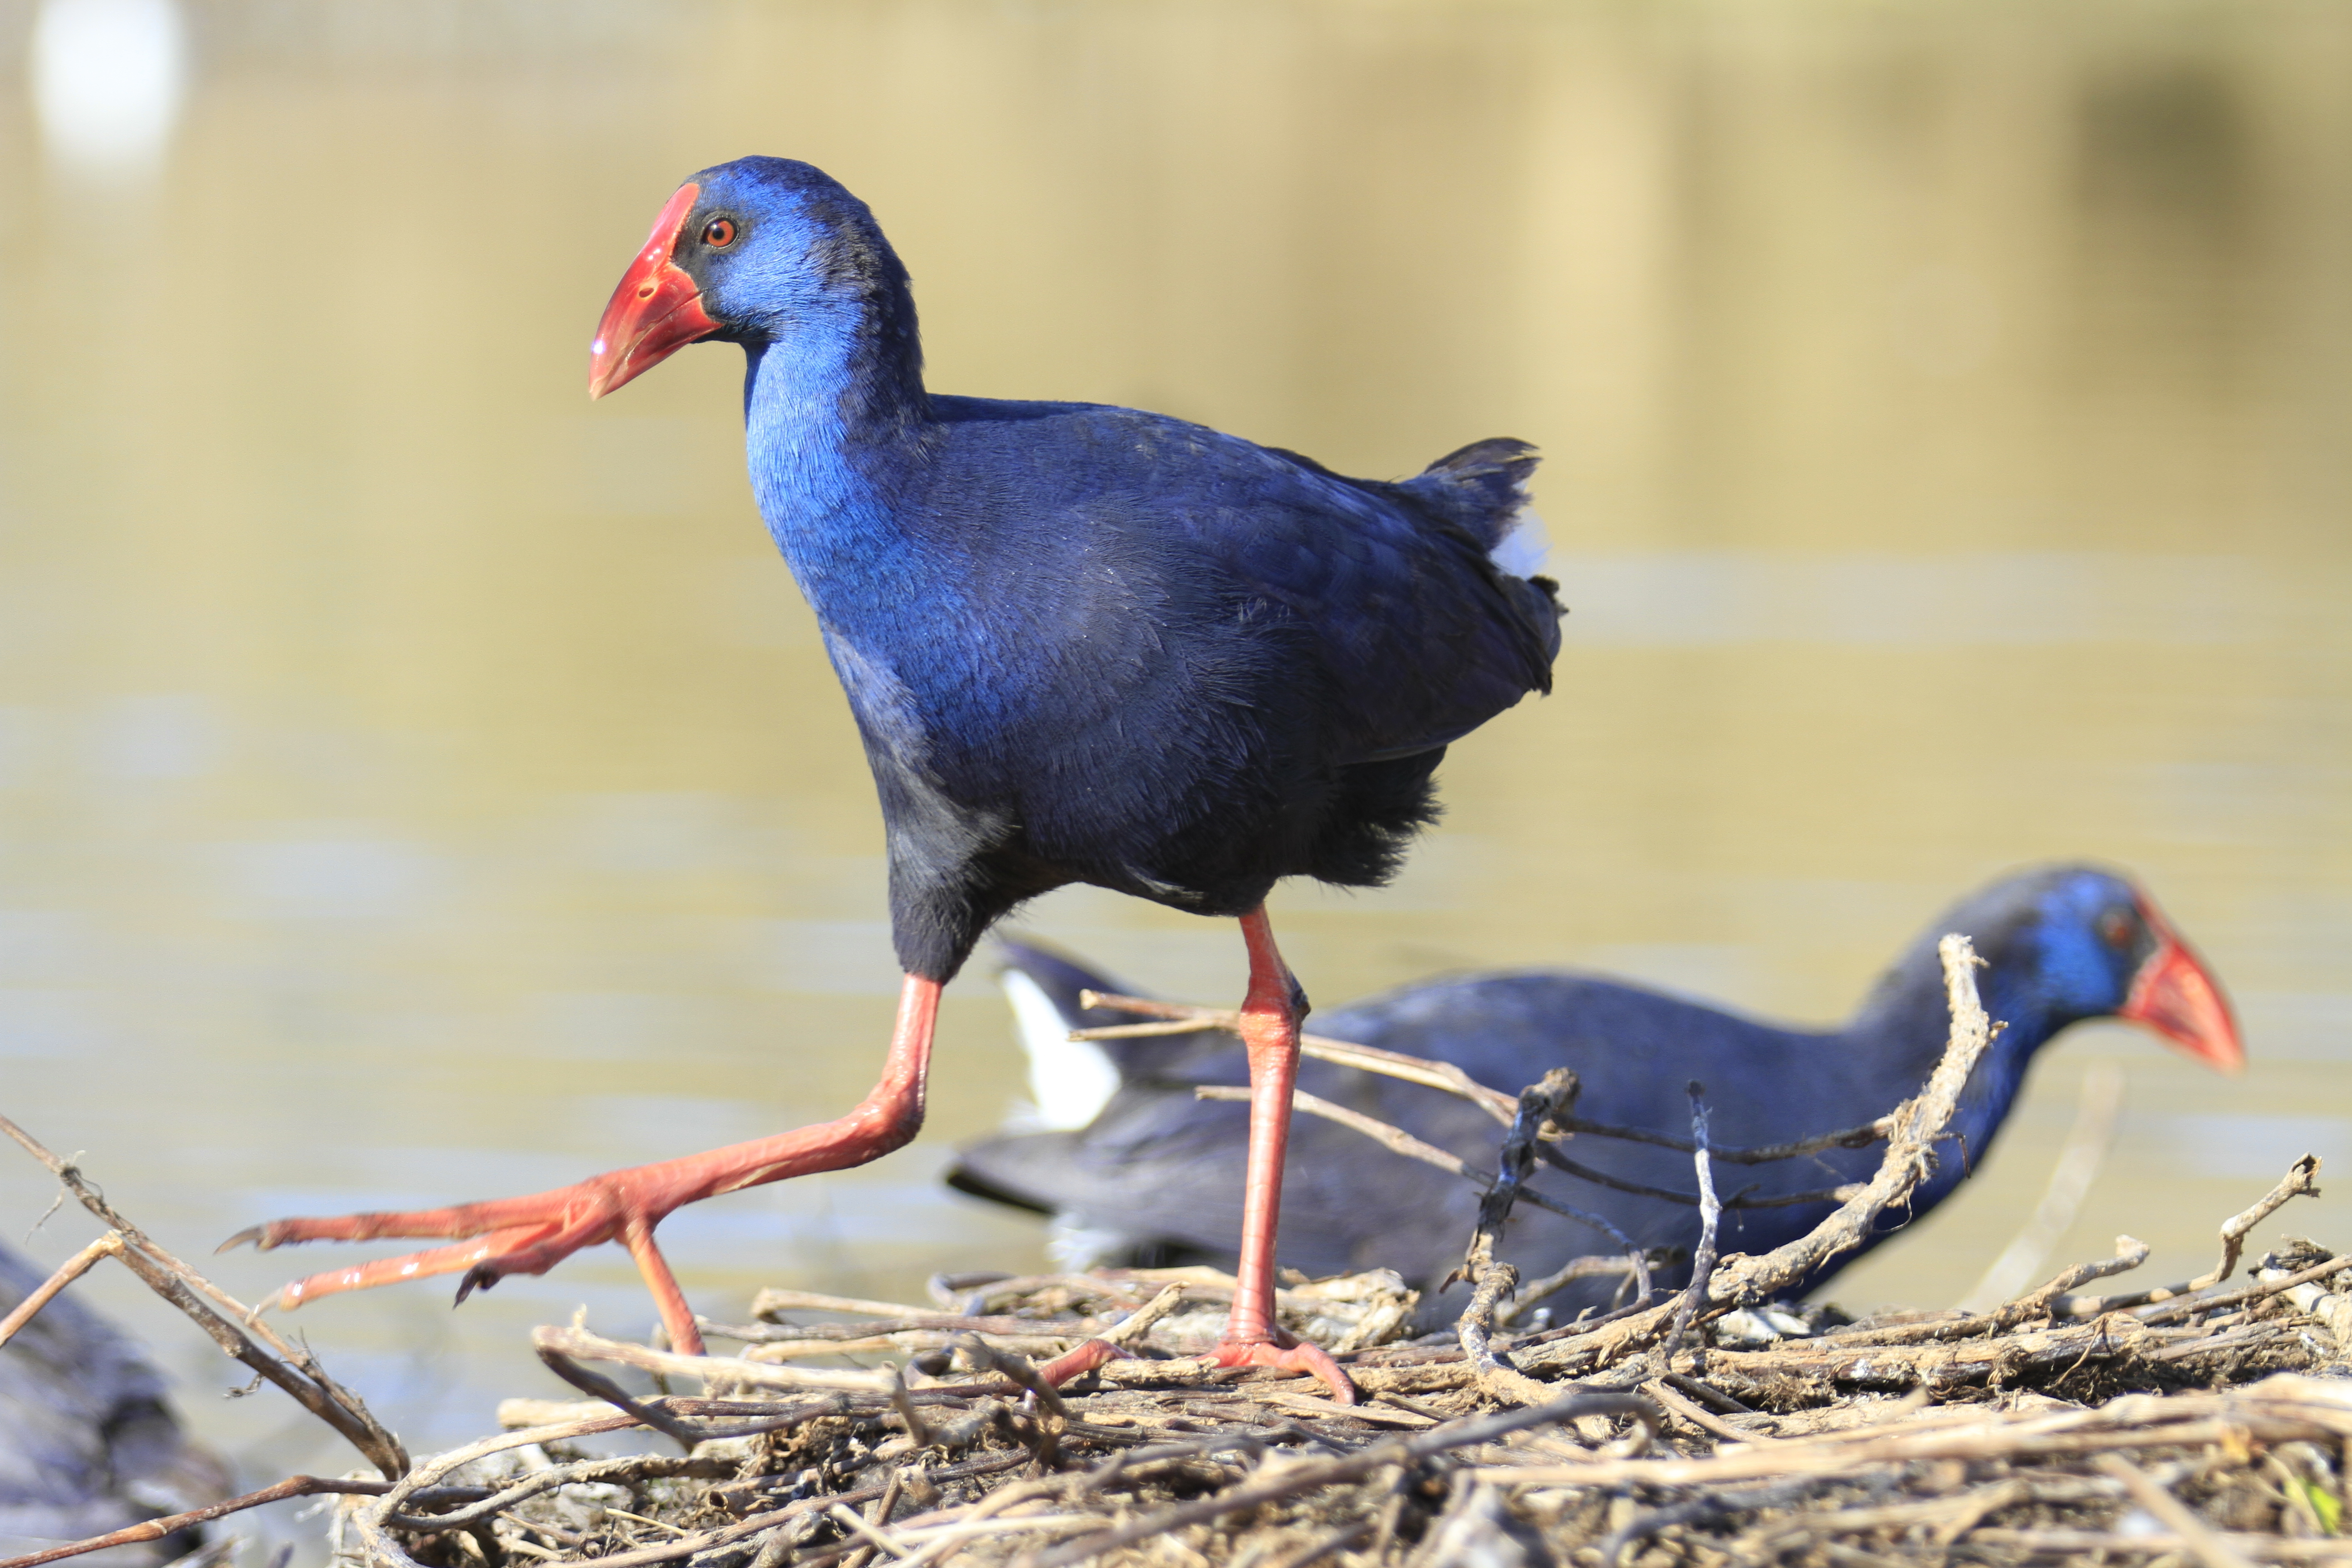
{"x":1523,"y":551}
{"x":1069,"y":1081}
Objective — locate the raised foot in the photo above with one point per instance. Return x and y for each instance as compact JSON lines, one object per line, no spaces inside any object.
{"x":1301,"y":1356}
{"x":510,"y":1236}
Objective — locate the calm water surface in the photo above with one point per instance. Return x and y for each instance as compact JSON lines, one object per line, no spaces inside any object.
{"x":418,"y":785}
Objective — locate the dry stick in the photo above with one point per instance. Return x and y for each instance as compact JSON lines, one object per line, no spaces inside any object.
{"x":2210,"y":1547}
{"x":1311,"y":1475}
{"x":2130,"y":1253}
{"x":1575,"y":1269}
{"x":2301,"y":1178}
{"x":1917,"y":1126}
{"x":1179,"y":1018}
{"x":1709,"y":1213}
{"x":1699,"y":1417}
{"x":2087,"y":1545}
{"x":1403,"y":1142}
{"x":1398,"y":1141}
{"x":2086,"y":1150}
{"x":1137,"y":1324}
{"x":2178,"y":1306}
{"x":171,"y":1524}
{"x":74,"y":1267}
{"x":1491,"y":1278}
{"x":299,"y":1373}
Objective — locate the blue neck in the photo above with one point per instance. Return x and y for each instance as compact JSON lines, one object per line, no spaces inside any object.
{"x":1911,"y":1021}
{"x":831,"y":436}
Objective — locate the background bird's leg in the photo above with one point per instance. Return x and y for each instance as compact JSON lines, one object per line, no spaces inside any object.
{"x":532,"y":1234}
{"x":1270,"y":1017}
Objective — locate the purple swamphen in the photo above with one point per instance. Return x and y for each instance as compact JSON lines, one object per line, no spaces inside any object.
{"x":89,"y":1443}
{"x":1083,"y":643}
{"x":1149,"y":1172}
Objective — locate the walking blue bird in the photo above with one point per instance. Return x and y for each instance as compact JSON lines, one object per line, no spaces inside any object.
{"x":1082,"y":644}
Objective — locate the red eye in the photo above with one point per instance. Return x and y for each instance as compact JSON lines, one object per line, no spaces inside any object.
{"x":718,"y":233}
{"x":2115,"y":929}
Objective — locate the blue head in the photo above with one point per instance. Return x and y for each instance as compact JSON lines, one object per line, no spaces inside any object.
{"x":2065,"y":943}
{"x":763,"y":251}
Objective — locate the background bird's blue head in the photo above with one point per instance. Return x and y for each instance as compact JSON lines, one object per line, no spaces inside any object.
{"x":2065,"y":943}
{"x":757,"y":251}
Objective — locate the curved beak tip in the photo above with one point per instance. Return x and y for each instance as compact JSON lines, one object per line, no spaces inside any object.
{"x":2176,"y":996}
{"x":656,"y":309}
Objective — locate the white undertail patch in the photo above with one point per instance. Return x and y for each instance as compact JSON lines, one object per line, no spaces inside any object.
{"x":1523,"y":550}
{"x":1069,"y":1081}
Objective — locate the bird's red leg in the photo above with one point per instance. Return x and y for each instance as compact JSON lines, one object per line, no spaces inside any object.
{"x":532,"y":1234}
{"x":1270,"y":1017}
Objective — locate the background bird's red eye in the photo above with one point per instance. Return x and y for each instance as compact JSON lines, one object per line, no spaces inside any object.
{"x":718,"y":233}
{"x":2115,"y":929}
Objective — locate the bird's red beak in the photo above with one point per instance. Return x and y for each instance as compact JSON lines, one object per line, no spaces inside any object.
{"x":655,"y":312}
{"x":2176,"y":996}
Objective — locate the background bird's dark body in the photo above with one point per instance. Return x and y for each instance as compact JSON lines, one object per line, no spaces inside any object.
{"x":1149,"y":1174}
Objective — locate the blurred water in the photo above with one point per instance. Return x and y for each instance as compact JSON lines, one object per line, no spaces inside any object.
{"x":417,"y":786}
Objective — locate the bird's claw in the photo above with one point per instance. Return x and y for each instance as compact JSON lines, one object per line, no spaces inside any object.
{"x":1299,"y":1356}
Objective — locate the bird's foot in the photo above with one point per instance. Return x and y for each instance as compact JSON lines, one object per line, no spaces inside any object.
{"x":1299,"y":1355}
{"x":506,"y":1236}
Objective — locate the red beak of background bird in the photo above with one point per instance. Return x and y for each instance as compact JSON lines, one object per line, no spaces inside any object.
{"x":2176,"y":996}
{"x":655,"y":312}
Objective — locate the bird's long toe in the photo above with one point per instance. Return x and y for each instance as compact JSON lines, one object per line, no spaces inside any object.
{"x":484,"y":1252}
{"x":1080,"y":1360}
{"x":1300,"y":1357}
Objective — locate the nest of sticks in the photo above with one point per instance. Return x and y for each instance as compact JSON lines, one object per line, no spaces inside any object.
{"x":2208,"y":1421}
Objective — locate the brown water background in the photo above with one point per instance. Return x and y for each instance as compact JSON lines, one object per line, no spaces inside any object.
{"x":418,"y":785}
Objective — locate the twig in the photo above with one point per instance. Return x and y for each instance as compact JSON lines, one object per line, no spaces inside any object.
{"x":918,"y":1431}
{"x":2209,"y":1546}
{"x":1398,"y":1141}
{"x":1703,"y":1419}
{"x":1709,"y":1213}
{"x":2086,"y":1150}
{"x":1137,"y":1324}
{"x":1919,"y":1124}
{"x":1180,"y":1018}
{"x":770,"y":1301}
{"x":2301,"y":1178}
{"x":1294,"y":1479}
{"x":1589,"y":1266}
{"x":1860,"y":1137}
{"x":1442,"y":1075}
{"x":1491,"y":1278}
{"x":236,"y":1332}
{"x":2180,"y":1306}
{"x":2089,"y":1545}
{"x":171,"y":1524}
{"x":72,"y":1268}
{"x":2130,"y":1253}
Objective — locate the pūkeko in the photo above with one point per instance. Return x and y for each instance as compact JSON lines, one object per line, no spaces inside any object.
{"x":1083,"y":643}
{"x":1149,"y":1172}
{"x":88,"y":1440}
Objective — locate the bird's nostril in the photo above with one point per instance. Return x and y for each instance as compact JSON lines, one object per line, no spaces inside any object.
{"x":644,"y":290}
